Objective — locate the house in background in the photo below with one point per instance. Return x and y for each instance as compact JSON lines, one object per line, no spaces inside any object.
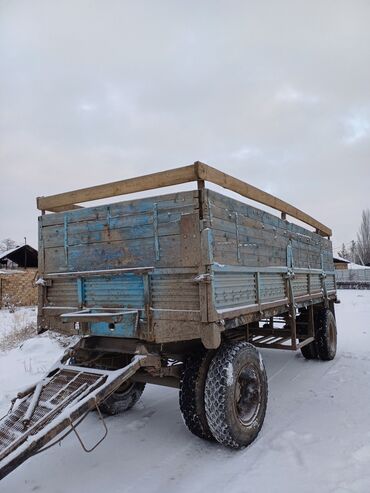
{"x":351,"y":276}
{"x":18,"y":270}
{"x":340,"y":263}
{"x":24,"y":257}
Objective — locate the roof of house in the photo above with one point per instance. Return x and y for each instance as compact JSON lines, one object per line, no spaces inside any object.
{"x":339,"y":259}
{"x":23,"y":256}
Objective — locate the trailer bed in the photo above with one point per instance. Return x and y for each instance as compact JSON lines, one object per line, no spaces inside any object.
{"x":187,"y":265}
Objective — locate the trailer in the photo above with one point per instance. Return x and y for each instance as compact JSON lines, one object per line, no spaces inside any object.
{"x":179,"y":290}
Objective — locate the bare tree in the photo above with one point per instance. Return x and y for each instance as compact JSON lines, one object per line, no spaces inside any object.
{"x":363,"y":238}
{"x":7,"y":244}
{"x":353,"y":252}
{"x":343,"y":252}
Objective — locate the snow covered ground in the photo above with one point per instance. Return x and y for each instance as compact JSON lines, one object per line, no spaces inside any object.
{"x":11,"y":321}
{"x":316,"y":436}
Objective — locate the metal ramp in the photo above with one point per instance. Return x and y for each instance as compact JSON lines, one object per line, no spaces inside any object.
{"x":59,"y":402}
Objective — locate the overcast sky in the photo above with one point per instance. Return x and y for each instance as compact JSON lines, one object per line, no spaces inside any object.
{"x":276,"y":93}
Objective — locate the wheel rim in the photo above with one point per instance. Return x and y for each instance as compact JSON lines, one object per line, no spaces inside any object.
{"x":247,"y":397}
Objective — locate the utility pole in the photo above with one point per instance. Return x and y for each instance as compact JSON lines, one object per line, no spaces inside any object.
{"x":25,"y":252}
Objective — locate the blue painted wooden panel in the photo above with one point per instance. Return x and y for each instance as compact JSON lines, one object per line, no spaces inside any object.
{"x":127,"y":328}
{"x":271,"y":286}
{"x":117,"y":291}
{"x":232,"y":289}
{"x":126,"y":290}
{"x":246,"y":235}
{"x":330,"y":281}
{"x":169,"y":203}
{"x":238,"y":286}
{"x":145,"y":232}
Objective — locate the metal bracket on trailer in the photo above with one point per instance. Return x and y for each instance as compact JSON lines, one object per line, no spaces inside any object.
{"x":99,"y":315}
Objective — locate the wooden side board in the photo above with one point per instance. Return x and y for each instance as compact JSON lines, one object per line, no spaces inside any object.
{"x":213,"y":175}
{"x":128,"y":234}
{"x":245,"y":235}
{"x":123,"y":187}
{"x":196,"y":172}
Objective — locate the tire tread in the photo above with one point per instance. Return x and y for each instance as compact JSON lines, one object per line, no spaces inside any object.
{"x":191,"y":395}
{"x":216,"y":388}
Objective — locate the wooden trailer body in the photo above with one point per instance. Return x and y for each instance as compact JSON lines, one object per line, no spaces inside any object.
{"x":179,"y":267}
{"x":175,"y":290}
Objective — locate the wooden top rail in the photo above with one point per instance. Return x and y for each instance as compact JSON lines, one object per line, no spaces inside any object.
{"x":195,"y":172}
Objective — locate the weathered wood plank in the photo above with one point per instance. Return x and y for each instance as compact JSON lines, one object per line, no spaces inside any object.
{"x":171,"y":203}
{"x":223,"y":207}
{"x":117,"y":254}
{"x":197,"y":172}
{"x":226,"y":231}
{"x":265,"y":246}
{"x":54,"y":237}
{"x":208,"y":173}
{"x":63,"y":208}
{"x":138,"y":184}
{"x":225,"y":221}
{"x":258,"y":230}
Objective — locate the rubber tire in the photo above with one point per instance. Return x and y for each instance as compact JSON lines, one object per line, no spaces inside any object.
{"x":191,"y":395}
{"x":220,"y":392}
{"x":310,"y":350}
{"x":326,"y":335}
{"x":121,"y":401}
